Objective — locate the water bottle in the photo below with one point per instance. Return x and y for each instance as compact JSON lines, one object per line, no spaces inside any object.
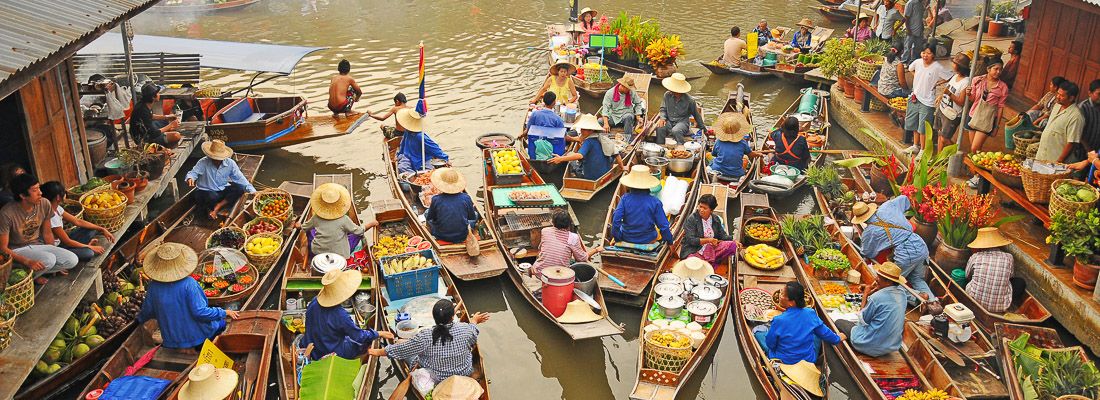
{"x":177,"y":112}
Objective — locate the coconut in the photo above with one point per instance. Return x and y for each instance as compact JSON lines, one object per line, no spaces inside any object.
{"x":80,"y":350}
{"x":94,"y":340}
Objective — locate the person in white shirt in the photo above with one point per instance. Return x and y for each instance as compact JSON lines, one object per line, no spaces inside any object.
{"x":949,"y":110}
{"x":927,"y":74}
{"x":732,"y":48}
{"x":886,"y":18}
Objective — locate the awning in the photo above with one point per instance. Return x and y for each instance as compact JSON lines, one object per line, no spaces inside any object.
{"x":273,"y":58}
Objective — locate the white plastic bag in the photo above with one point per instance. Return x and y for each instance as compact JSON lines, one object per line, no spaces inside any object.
{"x":673,"y":195}
{"x":422,"y":380}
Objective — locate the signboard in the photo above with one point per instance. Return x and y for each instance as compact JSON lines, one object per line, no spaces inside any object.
{"x":210,"y":354}
{"x":603,"y":41}
{"x":754,"y":45}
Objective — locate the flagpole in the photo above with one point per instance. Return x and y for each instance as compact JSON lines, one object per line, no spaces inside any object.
{"x":420,"y":73}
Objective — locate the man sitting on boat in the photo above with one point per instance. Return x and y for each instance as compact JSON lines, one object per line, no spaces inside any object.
{"x":416,"y":148}
{"x":705,"y":236}
{"x":597,"y":152}
{"x":623,"y":107}
{"x":790,"y":147}
{"x":889,"y":236}
{"x":560,"y":82}
{"x":330,"y":229}
{"x":804,"y":38}
{"x":177,"y":301}
{"x":990,"y":271}
{"x":560,"y":246}
{"x":639,"y":216}
{"x":733,"y":48}
{"x":545,"y":124}
{"x":763,"y":33}
{"x":882,"y":320}
{"x":677,"y":109}
{"x":329,"y":327}
{"x":343,"y":92}
{"x":731,"y":146}
{"x":142,"y":119}
{"x":795,"y":334}
{"x":217,"y":178}
{"x":452,"y":215}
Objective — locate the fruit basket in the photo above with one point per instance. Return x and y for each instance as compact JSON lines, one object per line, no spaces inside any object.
{"x":763,"y":256}
{"x":229,"y":236}
{"x":1024,"y":139}
{"x":398,"y":244}
{"x":263,"y":249}
{"x":104,"y":207}
{"x":225,"y":276}
{"x":506,"y":167}
{"x":274,"y":203}
{"x":761,"y":230}
{"x":7,"y":324}
{"x":263,"y":225}
{"x":1070,"y":196}
{"x":20,"y":291}
{"x":667,"y":350}
{"x":74,"y":208}
{"x":410,"y":274}
{"x":1037,"y":186}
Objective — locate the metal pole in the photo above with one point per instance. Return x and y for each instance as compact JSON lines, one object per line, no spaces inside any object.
{"x":954,"y":164}
{"x":135,"y":92}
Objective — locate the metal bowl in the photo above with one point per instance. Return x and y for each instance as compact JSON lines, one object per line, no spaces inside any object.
{"x":681,"y":165}
{"x":651,"y":150}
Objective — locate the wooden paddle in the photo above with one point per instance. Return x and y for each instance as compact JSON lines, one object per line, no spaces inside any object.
{"x":609,"y":276}
{"x":403,"y":387}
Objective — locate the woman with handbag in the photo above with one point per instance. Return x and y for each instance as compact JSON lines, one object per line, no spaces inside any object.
{"x":949,"y":110}
{"x":988,"y":94}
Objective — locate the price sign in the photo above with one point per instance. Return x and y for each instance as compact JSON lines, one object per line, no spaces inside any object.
{"x":210,"y":354}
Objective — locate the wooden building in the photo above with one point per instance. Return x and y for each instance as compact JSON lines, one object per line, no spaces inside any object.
{"x":1063,"y":39}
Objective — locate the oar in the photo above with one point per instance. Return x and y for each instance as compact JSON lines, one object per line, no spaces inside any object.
{"x":587,"y":299}
{"x":938,"y":345}
{"x":959,"y":351}
{"x":609,"y":276}
{"x":403,"y":387}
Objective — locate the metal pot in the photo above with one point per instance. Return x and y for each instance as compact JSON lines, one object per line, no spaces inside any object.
{"x":717,"y":281}
{"x":681,"y":165}
{"x":651,"y":150}
{"x":702,"y":312}
{"x":668,"y":289}
{"x":671,"y":306}
{"x":668,"y":277}
{"x":657,"y":165}
{"x":707,"y":293}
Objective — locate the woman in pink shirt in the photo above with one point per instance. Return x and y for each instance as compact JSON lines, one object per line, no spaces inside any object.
{"x":560,"y":246}
{"x":995,"y":91}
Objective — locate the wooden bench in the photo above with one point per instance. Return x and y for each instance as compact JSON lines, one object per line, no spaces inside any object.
{"x":987,"y":181}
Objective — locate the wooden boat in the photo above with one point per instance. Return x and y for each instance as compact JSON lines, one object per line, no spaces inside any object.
{"x":490,"y":263}
{"x":1043,"y":338}
{"x":579,"y":189}
{"x":521,"y":141}
{"x":654,"y":384}
{"x":819,"y":125}
{"x":519,"y":227}
{"x":248,"y":342}
{"x":595,"y":90}
{"x":747,"y":69}
{"x":251,"y":335}
{"x":753,"y":279}
{"x":192,"y":7}
{"x":738,"y":101}
{"x":301,"y":282}
{"x":267,"y":122}
{"x":300,"y":194}
{"x":788,"y":68}
{"x":1026,"y":311}
{"x":835,"y":13}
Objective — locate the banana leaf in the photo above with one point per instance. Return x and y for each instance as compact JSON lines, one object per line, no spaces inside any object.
{"x":329,"y":378}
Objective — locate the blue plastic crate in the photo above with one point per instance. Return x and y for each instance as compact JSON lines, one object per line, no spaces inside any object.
{"x":411,"y":283}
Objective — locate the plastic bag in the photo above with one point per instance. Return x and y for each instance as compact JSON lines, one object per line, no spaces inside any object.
{"x":422,"y":380}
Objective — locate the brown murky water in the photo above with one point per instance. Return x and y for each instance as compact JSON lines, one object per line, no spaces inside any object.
{"x":481,"y":70}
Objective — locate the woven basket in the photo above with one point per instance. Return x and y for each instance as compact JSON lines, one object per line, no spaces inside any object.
{"x":1037,"y":186}
{"x":1009,"y":180}
{"x":264,"y":262}
{"x":867,"y":66}
{"x":244,"y":234}
{"x":1032,"y":150}
{"x":269,"y":193}
{"x":878,"y":105}
{"x":7,"y":325}
{"x":232,"y":297}
{"x":5,"y":270}
{"x":71,"y":205}
{"x":663,"y":358}
{"x":110,"y":218}
{"x":1023,"y":144}
{"x":1058,"y":204}
{"x":254,"y":221}
{"x":21,"y":295}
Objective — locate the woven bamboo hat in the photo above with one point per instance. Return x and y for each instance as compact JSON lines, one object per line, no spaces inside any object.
{"x":205,"y":382}
{"x":586,"y":10}
{"x":330,"y":201}
{"x":676,"y":83}
{"x":564,"y":64}
{"x":628,"y":82}
{"x":732,"y":127}
{"x":988,"y":238}
{"x":809,"y":23}
{"x":338,"y":286}
{"x":890,"y":272}
{"x":216,"y":150}
{"x":578,"y":312}
{"x":804,"y":374}
{"x":693,"y":267}
{"x":589,"y":122}
{"x":640,"y":178}
{"x":861,"y":212}
{"x":448,"y":180}
{"x":169,"y":262}
{"x":458,"y":387}
{"x":410,"y":119}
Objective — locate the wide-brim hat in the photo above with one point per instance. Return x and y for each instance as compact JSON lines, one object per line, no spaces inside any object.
{"x":206,"y":382}
{"x":804,"y":374}
{"x":988,"y":238}
{"x":589,"y":122}
{"x":676,"y":83}
{"x":410,"y":119}
{"x":861,"y":212}
{"x":458,"y":387}
{"x":578,"y":312}
{"x":639,"y":177}
{"x":809,"y":23}
{"x":170,"y":262}
{"x":216,"y":150}
{"x":628,"y":82}
{"x":891,"y":272}
{"x":732,"y":127}
{"x":862,"y":15}
{"x":693,"y":267}
{"x":586,"y":10}
{"x":330,"y":201}
{"x":337,"y":286}
{"x":448,"y":180}
{"x":564,"y":64}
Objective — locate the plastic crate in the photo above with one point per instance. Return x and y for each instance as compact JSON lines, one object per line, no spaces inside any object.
{"x":411,"y":283}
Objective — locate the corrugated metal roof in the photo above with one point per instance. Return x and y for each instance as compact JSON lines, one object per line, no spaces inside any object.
{"x":34,"y":30}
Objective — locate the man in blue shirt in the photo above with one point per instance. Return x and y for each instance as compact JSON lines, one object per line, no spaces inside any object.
{"x":763,"y":32}
{"x":640,"y":215}
{"x":416,"y":149}
{"x":887,"y":230}
{"x":597,"y":154}
{"x":329,"y":327}
{"x":451,"y":215}
{"x":883,"y":317}
{"x":545,"y":124}
{"x":217,"y":178}
{"x":730,"y":148}
{"x":176,"y":301}
{"x":793,"y":336}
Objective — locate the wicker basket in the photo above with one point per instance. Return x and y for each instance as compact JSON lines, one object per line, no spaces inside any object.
{"x":5,"y":270}
{"x":110,"y":218}
{"x":1037,"y":186}
{"x":867,"y":66}
{"x":265,"y":194}
{"x":278,"y":224}
{"x":1013,"y":181}
{"x":1023,"y":144}
{"x":1058,"y":204}
{"x":21,"y":295}
{"x":878,"y":105}
{"x":244,"y":234}
{"x":664,"y":358}
{"x":264,"y":262}
{"x":72,"y":205}
{"x":1032,"y":150}
{"x":233,"y":297}
{"x":7,"y":324}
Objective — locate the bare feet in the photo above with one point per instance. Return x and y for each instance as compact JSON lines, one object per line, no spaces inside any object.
{"x":213,"y":215}
{"x":41,"y":281}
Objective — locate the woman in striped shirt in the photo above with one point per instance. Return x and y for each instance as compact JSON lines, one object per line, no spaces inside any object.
{"x":561,"y":246}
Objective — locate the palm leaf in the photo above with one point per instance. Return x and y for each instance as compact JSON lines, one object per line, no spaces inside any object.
{"x":857,"y":161}
{"x":329,"y":378}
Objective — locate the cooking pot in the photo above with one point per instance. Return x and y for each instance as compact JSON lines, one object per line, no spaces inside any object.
{"x":668,"y":289}
{"x":671,"y":306}
{"x":668,"y":277}
{"x":717,"y":281}
{"x":708,"y":294}
{"x":681,"y":165}
{"x":649,"y":149}
{"x":702,"y":312}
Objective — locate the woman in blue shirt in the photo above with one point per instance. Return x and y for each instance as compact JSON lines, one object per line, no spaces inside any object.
{"x":451,"y":215}
{"x":176,"y":301}
{"x":790,"y":147}
{"x":730,"y":148}
{"x":804,"y":37}
{"x":329,"y":327}
{"x":640,"y":215}
{"x":417,"y":149}
{"x":794,"y":334}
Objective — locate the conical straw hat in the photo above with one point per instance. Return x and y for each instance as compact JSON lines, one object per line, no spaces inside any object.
{"x":676,"y":83}
{"x":731,"y":127}
{"x":217,"y":150}
{"x":578,"y":312}
{"x":988,"y":238}
{"x":410,"y":119}
{"x":338,"y":286}
{"x":589,"y":122}
{"x":330,"y":201}
{"x":861,"y":212}
{"x":458,"y":387}
{"x":693,"y":267}
{"x":448,"y":180}
{"x":205,"y":382}
{"x":806,"y":375}
{"x":170,"y":262}
{"x":640,"y":178}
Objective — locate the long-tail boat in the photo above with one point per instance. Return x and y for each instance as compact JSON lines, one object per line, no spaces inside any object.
{"x":519,"y":226}
{"x":738,"y":101}
{"x":815,"y":122}
{"x":656,"y":384}
{"x":190,"y":7}
{"x":248,"y":342}
{"x":266,"y":122}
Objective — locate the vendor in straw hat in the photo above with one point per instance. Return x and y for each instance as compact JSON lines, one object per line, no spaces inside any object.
{"x":792,"y":336}
{"x":677,"y":108}
{"x":889,"y":236}
{"x":990,"y":271}
{"x":639,"y":215}
{"x":177,"y":301}
{"x":862,"y":31}
{"x":733,"y":48}
{"x":442,"y":351}
{"x":560,"y":82}
{"x":731,"y":147}
{"x":458,"y":387}
{"x":803,"y":39}
{"x":329,"y":327}
{"x":217,"y":179}
{"x":417,"y":149}
{"x":452,"y":214}
{"x":623,"y":107}
{"x":598,"y":153}
{"x":207,"y":382}
{"x":330,"y":228}
{"x":878,"y":332}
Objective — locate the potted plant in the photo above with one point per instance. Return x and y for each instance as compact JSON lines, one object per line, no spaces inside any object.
{"x":838,"y":60}
{"x":959,"y":214}
{"x":997,"y":11}
{"x":662,"y":54}
{"x":1079,"y":236}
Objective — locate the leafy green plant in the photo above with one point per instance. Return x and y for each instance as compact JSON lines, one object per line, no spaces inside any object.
{"x":874,"y":47}
{"x":827,"y":180}
{"x":832,"y":260}
{"x":329,"y":378}
{"x":808,"y":232}
{"x":1078,"y":234}
{"x":838,"y":58}
{"x":1065,"y":373}
{"x":929,"y":169}
{"x":1000,"y":9}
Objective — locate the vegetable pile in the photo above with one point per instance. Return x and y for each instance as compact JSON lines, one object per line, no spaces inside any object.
{"x":214,"y":284}
{"x":832,"y":260}
{"x":1075,"y":193}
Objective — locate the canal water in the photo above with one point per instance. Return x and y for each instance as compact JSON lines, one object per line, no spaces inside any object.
{"x":482,"y":68}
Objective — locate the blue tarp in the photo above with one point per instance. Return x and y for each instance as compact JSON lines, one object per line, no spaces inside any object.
{"x":215,"y":53}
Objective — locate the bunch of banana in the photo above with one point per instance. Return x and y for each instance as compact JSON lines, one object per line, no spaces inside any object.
{"x":412,"y":263}
{"x":764,"y":257}
{"x":933,"y":394}
{"x":390,"y":246}
{"x":899,"y":103}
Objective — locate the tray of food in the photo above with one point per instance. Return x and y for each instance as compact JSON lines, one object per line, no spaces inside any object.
{"x":757,"y":305}
{"x":530,"y":197}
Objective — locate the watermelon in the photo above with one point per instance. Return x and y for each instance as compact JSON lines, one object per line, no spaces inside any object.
{"x":423,"y":246}
{"x":415,"y":240}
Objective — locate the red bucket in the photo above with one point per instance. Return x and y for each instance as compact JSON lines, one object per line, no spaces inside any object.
{"x":557,"y":289}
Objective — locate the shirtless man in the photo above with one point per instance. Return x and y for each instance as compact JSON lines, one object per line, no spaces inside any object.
{"x":343,"y":92}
